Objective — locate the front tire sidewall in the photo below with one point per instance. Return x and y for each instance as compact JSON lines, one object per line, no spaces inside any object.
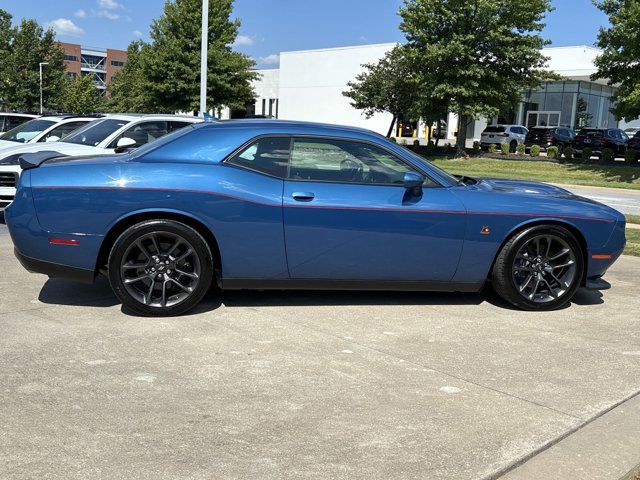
{"x":120,"y":246}
{"x":508,"y":289}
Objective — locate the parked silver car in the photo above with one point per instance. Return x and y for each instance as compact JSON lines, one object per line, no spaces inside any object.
{"x":499,"y":134}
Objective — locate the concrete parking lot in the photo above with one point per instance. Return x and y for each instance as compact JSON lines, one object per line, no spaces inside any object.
{"x":258,"y":385}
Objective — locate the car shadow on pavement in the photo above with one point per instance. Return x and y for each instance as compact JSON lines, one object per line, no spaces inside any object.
{"x":58,"y":291}
{"x":62,"y":292}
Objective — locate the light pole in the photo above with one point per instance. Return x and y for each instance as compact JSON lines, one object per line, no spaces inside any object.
{"x":203,"y":57}
{"x":41,"y":64}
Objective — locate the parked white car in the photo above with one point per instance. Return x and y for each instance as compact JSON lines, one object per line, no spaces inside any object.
{"x":499,"y":134}
{"x":113,"y":134}
{"x":43,"y":129}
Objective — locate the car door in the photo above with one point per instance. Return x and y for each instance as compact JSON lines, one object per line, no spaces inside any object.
{"x":347,"y":216}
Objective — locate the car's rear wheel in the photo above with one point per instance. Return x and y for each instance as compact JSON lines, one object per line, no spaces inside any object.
{"x":160,"y":268}
{"x":539,"y":268}
{"x":513,"y":146}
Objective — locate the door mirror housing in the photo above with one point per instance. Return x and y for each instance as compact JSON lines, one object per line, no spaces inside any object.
{"x":413,"y":181}
{"x":124,"y":144}
{"x":53,"y":138}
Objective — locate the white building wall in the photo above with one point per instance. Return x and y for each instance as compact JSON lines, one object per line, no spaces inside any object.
{"x":312,"y":82}
{"x":309,"y":84}
{"x":266,"y":89}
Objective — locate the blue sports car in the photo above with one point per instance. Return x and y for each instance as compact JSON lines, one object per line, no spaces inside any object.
{"x":266,"y":204}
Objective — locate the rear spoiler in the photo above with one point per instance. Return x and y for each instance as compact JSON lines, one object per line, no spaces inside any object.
{"x":34,"y":160}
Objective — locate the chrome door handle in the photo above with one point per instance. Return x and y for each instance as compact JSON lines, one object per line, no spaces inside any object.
{"x":303,"y":196}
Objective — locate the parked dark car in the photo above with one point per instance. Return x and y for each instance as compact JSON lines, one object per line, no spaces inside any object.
{"x":634,"y":142}
{"x":597,"y":139}
{"x":546,"y":137}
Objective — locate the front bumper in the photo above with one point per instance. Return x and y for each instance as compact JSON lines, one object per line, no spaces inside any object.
{"x":56,"y":270}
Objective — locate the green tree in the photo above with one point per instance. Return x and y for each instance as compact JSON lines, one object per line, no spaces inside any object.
{"x":389,"y":86}
{"x":128,"y":90}
{"x":171,"y":62}
{"x":29,"y":44}
{"x":80,"y":95}
{"x":476,"y":56}
{"x":6,"y":33}
{"x":619,"y":64}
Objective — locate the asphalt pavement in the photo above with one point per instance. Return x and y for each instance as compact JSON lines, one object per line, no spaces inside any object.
{"x":350,"y":385}
{"x":623,"y":200}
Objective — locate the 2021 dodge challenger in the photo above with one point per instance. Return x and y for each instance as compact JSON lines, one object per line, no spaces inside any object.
{"x":265,"y":204}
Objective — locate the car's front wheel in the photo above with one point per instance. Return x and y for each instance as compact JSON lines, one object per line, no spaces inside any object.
{"x":160,"y":268}
{"x":539,"y":268}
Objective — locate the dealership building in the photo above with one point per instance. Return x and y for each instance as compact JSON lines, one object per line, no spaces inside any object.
{"x":309,"y":85}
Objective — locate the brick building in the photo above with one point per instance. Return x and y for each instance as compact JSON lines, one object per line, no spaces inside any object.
{"x":100,"y":64}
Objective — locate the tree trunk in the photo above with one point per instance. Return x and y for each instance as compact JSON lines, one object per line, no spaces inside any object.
{"x":461,"y":143}
{"x":393,"y":122}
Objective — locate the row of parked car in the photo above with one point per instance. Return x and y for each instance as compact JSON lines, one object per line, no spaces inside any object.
{"x":597,"y":139}
{"x":75,"y":135}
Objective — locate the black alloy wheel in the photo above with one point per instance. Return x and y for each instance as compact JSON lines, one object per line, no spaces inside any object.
{"x":160,"y":268}
{"x":539,"y":268}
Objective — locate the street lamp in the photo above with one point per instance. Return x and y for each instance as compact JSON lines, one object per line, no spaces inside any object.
{"x":41,"y":64}
{"x":203,"y":57}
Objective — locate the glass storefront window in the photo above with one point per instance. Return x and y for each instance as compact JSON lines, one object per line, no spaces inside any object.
{"x":570,"y":104}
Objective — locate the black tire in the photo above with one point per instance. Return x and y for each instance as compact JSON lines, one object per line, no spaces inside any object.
{"x":513,"y":146}
{"x":181,"y":289}
{"x":504,"y":279}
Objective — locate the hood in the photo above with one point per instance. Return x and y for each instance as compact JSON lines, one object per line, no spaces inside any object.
{"x":7,"y":145}
{"x":536,"y":196}
{"x":9,"y":156}
{"x":526,"y":188}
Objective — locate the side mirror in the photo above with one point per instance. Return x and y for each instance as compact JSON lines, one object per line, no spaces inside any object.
{"x":53,"y":138}
{"x":124,"y":144}
{"x":413,"y":180}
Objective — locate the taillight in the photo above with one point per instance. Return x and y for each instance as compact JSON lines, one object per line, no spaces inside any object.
{"x":502,"y":135}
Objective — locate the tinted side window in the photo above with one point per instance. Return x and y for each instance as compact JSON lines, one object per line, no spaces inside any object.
{"x":269,"y":155}
{"x":343,"y":161}
{"x":144,"y":132}
{"x":173,"y":126}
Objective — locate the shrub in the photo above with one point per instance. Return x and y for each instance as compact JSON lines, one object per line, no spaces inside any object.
{"x":586,"y":154}
{"x":476,"y":147}
{"x":504,"y":148}
{"x":568,"y":153}
{"x":431,"y":147}
{"x":552,"y":152}
{"x":521,"y":149}
{"x":608,"y":155}
{"x":416,"y":143}
{"x":492,"y":148}
{"x":393,"y":139}
{"x":535,"y":151}
{"x":631,"y":156}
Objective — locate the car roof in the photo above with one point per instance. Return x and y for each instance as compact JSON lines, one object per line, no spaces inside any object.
{"x":60,"y":118}
{"x":130,"y":117}
{"x":18,"y":114}
{"x":283,"y":125}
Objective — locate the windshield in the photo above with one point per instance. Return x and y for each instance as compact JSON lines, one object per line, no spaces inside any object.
{"x":95,"y":132}
{"x":25,"y":132}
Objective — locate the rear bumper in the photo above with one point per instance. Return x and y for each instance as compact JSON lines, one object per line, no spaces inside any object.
{"x":34,"y":265}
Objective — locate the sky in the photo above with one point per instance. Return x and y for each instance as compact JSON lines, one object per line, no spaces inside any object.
{"x":273,"y":26}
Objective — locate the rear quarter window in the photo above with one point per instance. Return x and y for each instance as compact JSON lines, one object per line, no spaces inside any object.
{"x":196,"y":145}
